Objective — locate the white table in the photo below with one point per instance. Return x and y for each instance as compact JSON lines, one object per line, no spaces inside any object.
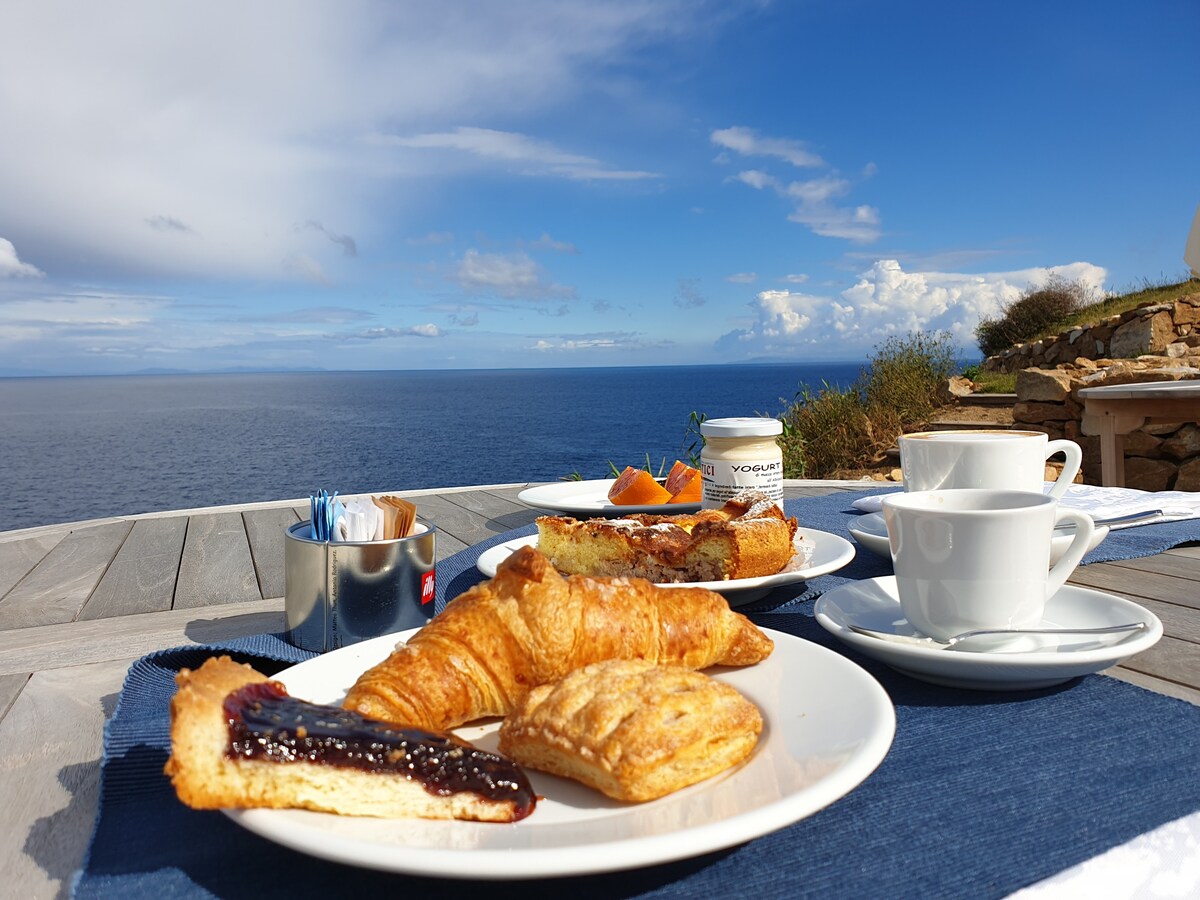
{"x":1115,"y":410}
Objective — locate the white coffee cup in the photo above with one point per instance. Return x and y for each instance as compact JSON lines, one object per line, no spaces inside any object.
{"x":969,"y":559}
{"x":1012,"y":460}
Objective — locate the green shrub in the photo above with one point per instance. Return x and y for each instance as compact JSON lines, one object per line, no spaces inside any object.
{"x":833,"y":431}
{"x":1037,"y":312}
{"x":904,"y":373}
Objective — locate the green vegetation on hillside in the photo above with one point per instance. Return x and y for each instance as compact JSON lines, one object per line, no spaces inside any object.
{"x":1050,"y":309}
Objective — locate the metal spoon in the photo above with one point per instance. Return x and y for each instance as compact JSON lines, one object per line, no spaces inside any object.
{"x":1118,"y":520}
{"x":949,"y":643}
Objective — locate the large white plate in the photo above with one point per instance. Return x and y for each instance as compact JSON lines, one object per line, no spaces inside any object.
{"x":591,"y":498}
{"x":873,"y":603}
{"x":871,"y":531}
{"x":817,"y":553}
{"x":828,"y":724}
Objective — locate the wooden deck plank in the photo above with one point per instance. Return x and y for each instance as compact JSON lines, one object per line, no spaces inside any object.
{"x":216,"y":567}
{"x":1170,"y":659}
{"x":457,"y":521}
{"x":1150,"y":683}
{"x":78,"y":643}
{"x":50,"y":750}
{"x":265,"y":530}
{"x":1177,"y":565}
{"x":503,"y":513}
{"x":1138,"y":584}
{"x":57,"y":587}
{"x":19,"y":557}
{"x":11,"y":686}
{"x":142,"y":576}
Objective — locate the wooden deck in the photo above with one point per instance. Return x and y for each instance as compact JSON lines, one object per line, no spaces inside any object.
{"x":80,"y":602}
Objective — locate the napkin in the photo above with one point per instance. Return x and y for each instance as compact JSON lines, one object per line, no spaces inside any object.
{"x":1099,"y":503}
{"x":362,"y":520}
{"x":1108,"y":502}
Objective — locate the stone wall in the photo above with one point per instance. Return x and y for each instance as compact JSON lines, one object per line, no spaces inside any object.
{"x":1157,"y":457}
{"x":1167,"y":329}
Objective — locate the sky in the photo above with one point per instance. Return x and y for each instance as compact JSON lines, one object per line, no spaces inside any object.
{"x":545,"y":183}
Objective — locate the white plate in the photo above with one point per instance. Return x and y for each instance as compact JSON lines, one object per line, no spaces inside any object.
{"x":871,"y":531}
{"x":818,"y":553}
{"x":828,"y":724}
{"x":873,"y":603}
{"x":590,"y":498}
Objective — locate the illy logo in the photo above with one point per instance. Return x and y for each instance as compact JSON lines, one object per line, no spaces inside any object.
{"x":427,"y":581}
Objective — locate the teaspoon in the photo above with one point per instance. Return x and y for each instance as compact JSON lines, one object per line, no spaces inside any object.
{"x":949,"y":643}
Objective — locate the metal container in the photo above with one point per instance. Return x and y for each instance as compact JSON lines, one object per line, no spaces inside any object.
{"x":340,"y":593}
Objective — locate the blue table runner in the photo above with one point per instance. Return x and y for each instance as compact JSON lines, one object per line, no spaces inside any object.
{"x":981,"y":793}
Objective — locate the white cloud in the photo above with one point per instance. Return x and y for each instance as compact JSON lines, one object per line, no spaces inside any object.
{"x":794,"y":279}
{"x":528,"y":155}
{"x":886,"y":301}
{"x":427,"y":329}
{"x":747,"y":142}
{"x":187,"y":147}
{"x":814,"y":200}
{"x":742,"y":278}
{"x":545,"y":242}
{"x":509,"y":275}
{"x":11,"y":266}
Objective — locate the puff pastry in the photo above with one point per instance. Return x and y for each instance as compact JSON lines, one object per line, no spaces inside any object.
{"x":633,"y":730}
{"x":529,"y":626}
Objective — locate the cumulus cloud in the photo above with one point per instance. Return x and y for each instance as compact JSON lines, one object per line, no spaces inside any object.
{"x":886,"y":301}
{"x":815,"y":201}
{"x":11,"y":266}
{"x":509,"y":275}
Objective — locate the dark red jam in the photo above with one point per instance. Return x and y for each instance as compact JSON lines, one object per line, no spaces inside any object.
{"x":266,"y":723}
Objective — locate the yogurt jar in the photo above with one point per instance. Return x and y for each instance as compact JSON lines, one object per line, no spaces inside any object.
{"x":740,"y":454}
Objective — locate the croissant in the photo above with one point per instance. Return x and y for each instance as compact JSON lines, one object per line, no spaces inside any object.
{"x":530,"y":626}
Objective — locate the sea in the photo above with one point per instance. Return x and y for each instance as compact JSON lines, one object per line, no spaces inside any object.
{"x":75,"y":448}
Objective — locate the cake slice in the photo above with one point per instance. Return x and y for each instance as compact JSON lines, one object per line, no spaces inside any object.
{"x":238,"y":740}
{"x":748,"y":537}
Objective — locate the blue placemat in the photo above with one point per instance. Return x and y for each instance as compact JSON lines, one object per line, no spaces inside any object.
{"x":981,"y":793}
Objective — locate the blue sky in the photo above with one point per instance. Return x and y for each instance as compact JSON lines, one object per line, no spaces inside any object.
{"x":473,"y":184}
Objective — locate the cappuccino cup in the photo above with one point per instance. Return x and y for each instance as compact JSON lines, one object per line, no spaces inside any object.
{"x":972,"y":559}
{"x":999,"y":459}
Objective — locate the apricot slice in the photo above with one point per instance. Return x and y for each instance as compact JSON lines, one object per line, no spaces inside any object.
{"x":689,"y":488}
{"x":637,"y":487}
{"x":678,"y":477}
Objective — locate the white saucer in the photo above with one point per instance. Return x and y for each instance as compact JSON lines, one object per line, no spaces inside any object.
{"x":871,"y":531}
{"x":817,"y":553}
{"x":873,"y":603}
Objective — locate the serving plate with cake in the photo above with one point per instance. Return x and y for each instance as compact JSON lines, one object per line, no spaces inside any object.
{"x":816,"y":746}
{"x":743,"y":550}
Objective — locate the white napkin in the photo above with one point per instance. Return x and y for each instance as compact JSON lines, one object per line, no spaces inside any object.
{"x":1101,"y":503}
{"x":1159,"y":863}
{"x":362,"y":521}
{"x":1107,"y":502}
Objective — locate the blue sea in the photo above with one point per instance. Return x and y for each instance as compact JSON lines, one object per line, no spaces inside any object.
{"x":83,"y":448}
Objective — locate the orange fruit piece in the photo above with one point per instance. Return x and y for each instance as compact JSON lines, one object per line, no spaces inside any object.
{"x":684,"y":484}
{"x":637,"y":487}
{"x":692,"y":492}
